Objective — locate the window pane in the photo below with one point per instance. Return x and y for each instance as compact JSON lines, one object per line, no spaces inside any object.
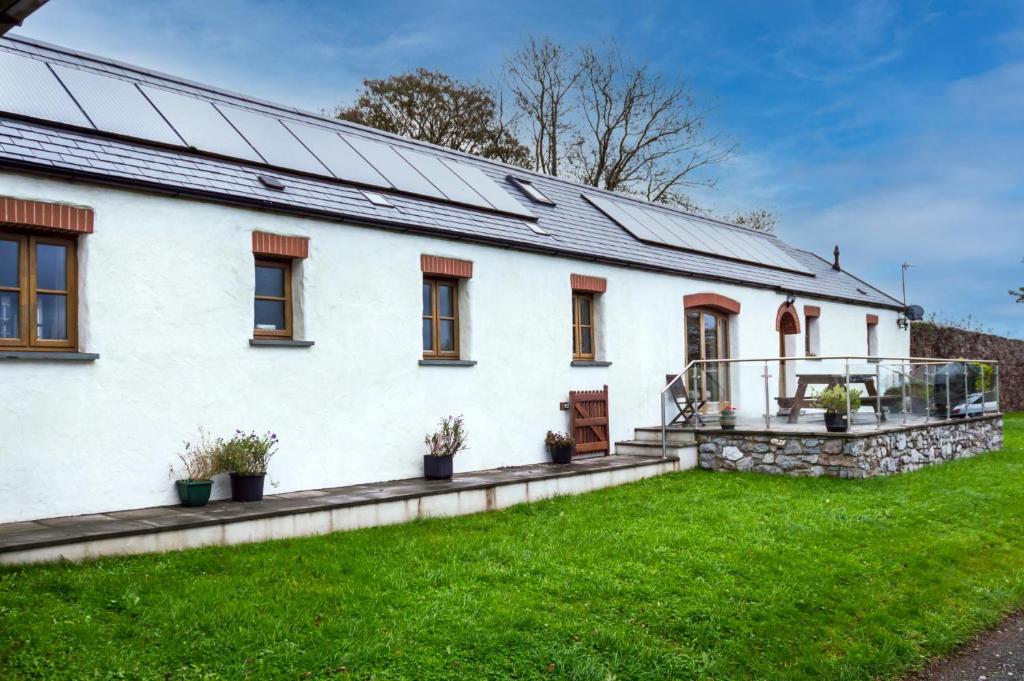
{"x":51,"y":317}
{"x":8,"y":314}
{"x":428,"y":336}
{"x":51,"y":267}
{"x":9,"y":263}
{"x":710,"y":336}
{"x":575,"y":341}
{"x":428,"y":300}
{"x":585,"y":310}
{"x":692,"y":336}
{"x":269,"y":315}
{"x":446,"y":300}
{"x":269,"y":281}
{"x":588,"y":347}
{"x":447,"y":336}
{"x":575,"y":302}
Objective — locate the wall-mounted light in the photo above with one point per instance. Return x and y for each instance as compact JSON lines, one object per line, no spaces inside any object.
{"x":790,"y":299}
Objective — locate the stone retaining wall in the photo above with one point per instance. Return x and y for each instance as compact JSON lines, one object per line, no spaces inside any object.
{"x":848,"y":455}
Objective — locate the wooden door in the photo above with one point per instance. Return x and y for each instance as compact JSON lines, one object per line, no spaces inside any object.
{"x":588,"y":421}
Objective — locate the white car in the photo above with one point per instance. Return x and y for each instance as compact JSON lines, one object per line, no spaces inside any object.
{"x":973,"y":407}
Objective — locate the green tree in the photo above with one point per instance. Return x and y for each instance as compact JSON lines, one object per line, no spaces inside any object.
{"x":433,"y":107}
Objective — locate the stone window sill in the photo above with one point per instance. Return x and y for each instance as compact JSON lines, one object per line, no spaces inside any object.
{"x":589,"y":363}
{"x":280,"y":343}
{"x":50,"y":356}
{"x":447,"y":363}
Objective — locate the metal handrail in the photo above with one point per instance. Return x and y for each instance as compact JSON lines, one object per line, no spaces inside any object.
{"x":919,"y":361}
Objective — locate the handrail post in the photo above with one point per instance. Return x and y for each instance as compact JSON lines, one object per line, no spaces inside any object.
{"x":878,"y":395}
{"x":967,"y":410}
{"x":995,"y":381}
{"x":664,"y":429}
{"x":949,"y":401}
{"x":927,"y":395}
{"x":982,"y":368}
{"x":849,"y":418}
{"x":903,"y":391}
{"x":767,"y":410}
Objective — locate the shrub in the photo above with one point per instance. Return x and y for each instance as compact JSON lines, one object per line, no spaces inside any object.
{"x":247,"y":453}
{"x":199,"y":459}
{"x":557,"y":440}
{"x":833,"y":400}
{"x":449,"y":439}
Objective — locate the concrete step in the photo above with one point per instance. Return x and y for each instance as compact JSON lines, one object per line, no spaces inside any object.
{"x":674,"y":436}
{"x":686,"y":453}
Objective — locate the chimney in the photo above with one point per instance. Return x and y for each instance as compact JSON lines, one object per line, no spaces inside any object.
{"x":835,"y":254}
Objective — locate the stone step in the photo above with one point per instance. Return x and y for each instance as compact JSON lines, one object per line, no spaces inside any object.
{"x":685,"y":453}
{"x":674,"y":436}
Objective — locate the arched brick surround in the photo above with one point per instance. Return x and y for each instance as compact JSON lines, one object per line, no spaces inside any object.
{"x":715,"y":301}
{"x":787,"y":321}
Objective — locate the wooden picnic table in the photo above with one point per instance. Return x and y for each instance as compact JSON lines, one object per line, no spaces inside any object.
{"x":801,"y":401}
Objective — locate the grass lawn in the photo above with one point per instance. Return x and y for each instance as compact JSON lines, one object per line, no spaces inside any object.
{"x":692,"y":575}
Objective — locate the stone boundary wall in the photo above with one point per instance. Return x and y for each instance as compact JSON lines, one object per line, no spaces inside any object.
{"x":848,"y":455}
{"x":933,"y":340}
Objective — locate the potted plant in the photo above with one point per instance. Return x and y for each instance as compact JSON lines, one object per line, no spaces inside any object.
{"x":727,"y":416}
{"x":833,"y":401}
{"x":198,"y":465}
{"x":561,"y":446}
{"x":442,"y":446}
{"x":246,"y":457}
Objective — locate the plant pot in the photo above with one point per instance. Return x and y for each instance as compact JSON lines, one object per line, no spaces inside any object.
{"x":247,"y":487}
{"x":562,"y":454}
{"x":836,"y":423}
{"x":727,"y":420}
{"x":194,"y":492}
{"x":437,"y":467}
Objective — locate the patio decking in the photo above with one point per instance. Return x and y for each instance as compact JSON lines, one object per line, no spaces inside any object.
{"x":316,"y":511}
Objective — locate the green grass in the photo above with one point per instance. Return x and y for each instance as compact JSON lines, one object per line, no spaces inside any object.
{"x":692,"y":575}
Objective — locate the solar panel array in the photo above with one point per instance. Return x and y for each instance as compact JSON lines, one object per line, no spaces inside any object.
{"x":676,"y":230}
{"x":98,"y":101}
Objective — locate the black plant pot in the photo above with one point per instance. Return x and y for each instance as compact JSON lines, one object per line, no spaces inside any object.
{"x":836,"y":423}
{"x":562,"y":454}
{"x":246,"y":487}
{"x":437,"y":467}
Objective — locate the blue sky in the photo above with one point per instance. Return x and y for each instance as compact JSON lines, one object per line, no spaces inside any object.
{"x":895,"y":129}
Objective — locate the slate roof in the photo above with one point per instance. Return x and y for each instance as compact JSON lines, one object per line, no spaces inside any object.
{"x":574,"y":227}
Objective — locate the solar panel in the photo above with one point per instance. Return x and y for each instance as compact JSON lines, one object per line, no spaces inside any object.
{"x":392,"y":166}
{"x":272,"y":140}
{"x":200,"y":124}
{"x":29,"y":88}
{"x":664,"y":228}
{"x":441,"y":176}
{"x":489,"y":189}
{"x":116,"y":105}
{"x":340,"y":158}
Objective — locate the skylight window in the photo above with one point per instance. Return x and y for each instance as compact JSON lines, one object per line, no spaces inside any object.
{"x":378,"y":200}
{"x":528,"y":188}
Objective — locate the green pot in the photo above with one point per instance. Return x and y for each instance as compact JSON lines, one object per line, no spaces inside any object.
{"x":727,"y":420}
{"x":194,"y":492}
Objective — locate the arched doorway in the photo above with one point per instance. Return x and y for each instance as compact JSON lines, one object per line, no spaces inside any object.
{"x":707,"y":337}
{"x":787,"y":323}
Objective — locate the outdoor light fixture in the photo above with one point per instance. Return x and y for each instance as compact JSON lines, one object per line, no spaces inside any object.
{"x":790,"y":299}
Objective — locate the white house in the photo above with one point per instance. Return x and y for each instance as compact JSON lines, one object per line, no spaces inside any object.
{"x":173,"y":256}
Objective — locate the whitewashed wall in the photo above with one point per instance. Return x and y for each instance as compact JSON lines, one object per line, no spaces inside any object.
{"x":166,"y":299}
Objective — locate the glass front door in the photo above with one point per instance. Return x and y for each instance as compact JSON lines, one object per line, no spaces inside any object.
{"x":707,"y":337}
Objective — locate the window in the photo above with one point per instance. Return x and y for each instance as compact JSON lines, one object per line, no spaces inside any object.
{"x":582,"y":325}
{"x":440,"y":318}
{"x":812,"y":339}
{"x":273,"y":304}
{"x":707,"y":337}
{"x":872,"y":340}
{"x":38,"y":297}
{"x":530,"y":189}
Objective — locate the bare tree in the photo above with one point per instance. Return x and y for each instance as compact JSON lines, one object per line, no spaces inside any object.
{"x":541,"y":77}
{"x":639,"y":133}
{"x":760,"y":219}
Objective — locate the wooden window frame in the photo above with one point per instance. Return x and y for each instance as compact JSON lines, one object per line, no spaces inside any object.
{"x":28,"y":292}
{"x":579,"y":329}
{"x":286,"y":266}
{"x":724,"y":374}
{"x":435,"y":318}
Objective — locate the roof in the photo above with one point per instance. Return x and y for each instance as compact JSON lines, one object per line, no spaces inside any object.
{"x":572,"y":227}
